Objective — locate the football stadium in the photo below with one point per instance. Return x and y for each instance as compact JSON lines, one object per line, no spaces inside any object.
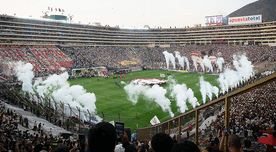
{"x":202,"y":86}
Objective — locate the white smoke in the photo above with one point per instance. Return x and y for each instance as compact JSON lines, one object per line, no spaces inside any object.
{"x":25,"y":74}
{"x":215,"y":90}
{"x":207,"y":89}
{"x":200,"y":61}
{"x":192,"y":98}
{"x":135,"y":91}
{"x":195,"y":63}
{"x":183,"y":95}
{"x":169,"y":57}
{"x":187,"y":63}
{"x":172,"y":82}
{"x":156,"y":93}
{"x":244,"y":67}
{"x":207,"y":62}
{"x":57,"y":87}
{"x":180,"y":59}
{"x":179,"y":91}
{"x":231,"y":78}
{"x":219,"y":63}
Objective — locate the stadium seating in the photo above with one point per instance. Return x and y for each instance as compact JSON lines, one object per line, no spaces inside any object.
{"x":50,"y":58}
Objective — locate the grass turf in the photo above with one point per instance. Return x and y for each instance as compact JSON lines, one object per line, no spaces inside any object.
{"x":111,"y":100}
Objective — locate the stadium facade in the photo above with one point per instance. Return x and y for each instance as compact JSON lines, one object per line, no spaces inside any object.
{"x":23,"y":31}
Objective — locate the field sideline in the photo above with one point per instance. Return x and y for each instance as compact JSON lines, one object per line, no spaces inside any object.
{"x":111,"y":100}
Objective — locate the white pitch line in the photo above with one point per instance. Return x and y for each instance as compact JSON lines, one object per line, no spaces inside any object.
{"x":106,"y":94}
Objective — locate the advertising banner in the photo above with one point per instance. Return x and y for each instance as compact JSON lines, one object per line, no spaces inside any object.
{"x":245,"y":19}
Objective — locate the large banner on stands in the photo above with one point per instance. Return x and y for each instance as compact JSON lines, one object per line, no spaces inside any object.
{"x":245,"y":19}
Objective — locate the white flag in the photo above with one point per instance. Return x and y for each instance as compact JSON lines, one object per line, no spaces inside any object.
{"x":154,"y":120}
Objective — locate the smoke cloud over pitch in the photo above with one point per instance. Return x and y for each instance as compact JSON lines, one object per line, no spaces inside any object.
{"x":231,"y":78}
{"x":156,"y":93}
{"x":57,"y":88}
{"x":183,"y":95}
{"x":207,"y":89}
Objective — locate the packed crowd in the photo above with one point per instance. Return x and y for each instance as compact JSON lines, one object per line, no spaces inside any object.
{"x":86,"y":57}
{"x":112,"y":56}
{"x":101,"y":137}
{"x":250,"y":114}
{"x":17,"y":138}
{"x":255,"y":54}
{"x":53,"y":59}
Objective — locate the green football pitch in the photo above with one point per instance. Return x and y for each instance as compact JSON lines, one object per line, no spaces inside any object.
{"x":111,"y":100}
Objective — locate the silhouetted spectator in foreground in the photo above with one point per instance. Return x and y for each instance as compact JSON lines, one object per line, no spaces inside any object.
{"x":185,"y":146}
{"x":102,"y":137}
{"x":247,"y":145}
{"x":161,"y":142}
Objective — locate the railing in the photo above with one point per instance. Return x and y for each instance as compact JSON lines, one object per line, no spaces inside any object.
{"x":145,"y":134}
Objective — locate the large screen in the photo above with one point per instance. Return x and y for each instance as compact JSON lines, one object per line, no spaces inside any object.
{"x":59,"y":17}
{"x":217,"y":20}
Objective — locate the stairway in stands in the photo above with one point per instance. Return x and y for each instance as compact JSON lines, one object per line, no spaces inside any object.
{"x":148,"y":56}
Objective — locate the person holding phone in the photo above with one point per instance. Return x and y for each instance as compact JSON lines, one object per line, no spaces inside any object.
{"x":119,"y":126}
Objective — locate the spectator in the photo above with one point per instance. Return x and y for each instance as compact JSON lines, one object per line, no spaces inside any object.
{"x":161,"y":142}
{"x":102,"y":137}
{"x":185,"y":146}
{"x":247,"y":145}
{"x":234,"y":143}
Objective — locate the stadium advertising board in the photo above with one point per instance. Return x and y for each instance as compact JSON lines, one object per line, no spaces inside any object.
{"x":213,"y":20}
{"x":245,"y":19}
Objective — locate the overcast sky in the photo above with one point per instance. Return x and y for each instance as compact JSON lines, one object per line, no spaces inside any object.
{"x":129,"y":13}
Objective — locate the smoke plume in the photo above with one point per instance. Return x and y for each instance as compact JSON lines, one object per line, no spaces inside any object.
{"x":57,"y":88}
{"x":207,"y":89}
{"x":219,"y":63}
{"x":207,"y":63}
{"x":156,"y":93}
{"x":231,"y":78}
{"x":169,"y":57}
{"x":180,"y":59}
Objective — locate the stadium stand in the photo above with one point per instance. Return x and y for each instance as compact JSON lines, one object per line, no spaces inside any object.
{"x":17,"y":31}
{"x":51,"y":46}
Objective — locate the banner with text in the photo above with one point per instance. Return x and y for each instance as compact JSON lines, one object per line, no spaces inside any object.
{"x":245,"y":19}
